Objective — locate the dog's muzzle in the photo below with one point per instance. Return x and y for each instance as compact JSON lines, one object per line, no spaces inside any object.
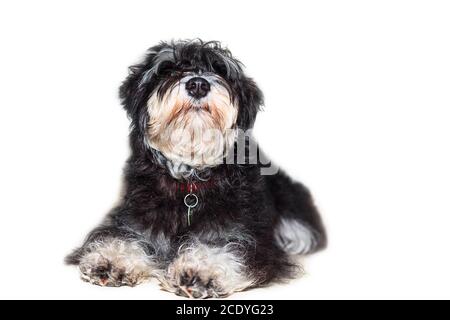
{"x":198,"y":87}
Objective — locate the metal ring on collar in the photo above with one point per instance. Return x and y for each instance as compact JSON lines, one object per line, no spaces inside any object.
{"x":194,"y":197}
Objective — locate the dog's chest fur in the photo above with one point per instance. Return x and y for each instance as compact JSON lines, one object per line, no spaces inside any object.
{"x":157,"y":201}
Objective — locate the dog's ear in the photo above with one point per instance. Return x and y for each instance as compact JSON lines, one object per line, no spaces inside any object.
{"x":251,"y":100}
{"x":133,"y":92}
{"x":142,"y":79}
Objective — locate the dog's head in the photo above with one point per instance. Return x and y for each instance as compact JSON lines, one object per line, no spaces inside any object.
{"x":186,"y":100}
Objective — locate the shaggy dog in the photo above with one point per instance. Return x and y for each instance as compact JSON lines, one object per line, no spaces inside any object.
{"x":198,"y":212}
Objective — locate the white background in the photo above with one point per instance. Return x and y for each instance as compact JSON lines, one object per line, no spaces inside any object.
{"x":357,"y":107}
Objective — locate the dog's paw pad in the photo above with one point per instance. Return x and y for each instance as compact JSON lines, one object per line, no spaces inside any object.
{"x":192,"y":284}
{"x":109,"y":275}
{"x":99,"y":274}
{"x":202,"y":271}
{"x":115,"y":265}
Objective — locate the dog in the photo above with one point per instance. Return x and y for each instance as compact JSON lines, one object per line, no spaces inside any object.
{"x":202,"y":222}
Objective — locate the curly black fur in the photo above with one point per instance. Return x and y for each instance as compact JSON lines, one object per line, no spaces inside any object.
{"x":240,"y":197}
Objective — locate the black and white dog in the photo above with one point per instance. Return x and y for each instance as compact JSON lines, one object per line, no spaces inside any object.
{"x":197,"y":212}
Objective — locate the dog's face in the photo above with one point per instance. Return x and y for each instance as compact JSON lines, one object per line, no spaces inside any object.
{"x":187,"y":99}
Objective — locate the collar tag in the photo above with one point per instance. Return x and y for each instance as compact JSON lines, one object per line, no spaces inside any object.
{"x":190,"y":201}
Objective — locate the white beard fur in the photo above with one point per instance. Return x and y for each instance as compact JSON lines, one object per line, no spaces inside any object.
{"x":193,"y":137}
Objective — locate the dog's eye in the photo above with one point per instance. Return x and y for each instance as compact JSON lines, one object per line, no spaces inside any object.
{"x":165,"y":68}
{"x":220,"y":69}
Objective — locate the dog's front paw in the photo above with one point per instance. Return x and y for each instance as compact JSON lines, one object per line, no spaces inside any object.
{"x":194,"y":283}
{"x":205,"y":272}
{"x":115,"y":263}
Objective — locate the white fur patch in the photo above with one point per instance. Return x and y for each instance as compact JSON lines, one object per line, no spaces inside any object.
{"x":294,"y":237}
{"x":202,"y":271}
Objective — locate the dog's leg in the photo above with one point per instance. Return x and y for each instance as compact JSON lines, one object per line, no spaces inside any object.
{"x":112,"y":257}
{"x":204,"y":271}
{"x":299,"y":229}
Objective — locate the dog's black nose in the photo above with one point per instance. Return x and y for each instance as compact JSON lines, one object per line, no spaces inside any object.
{"x":197,"y":87}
